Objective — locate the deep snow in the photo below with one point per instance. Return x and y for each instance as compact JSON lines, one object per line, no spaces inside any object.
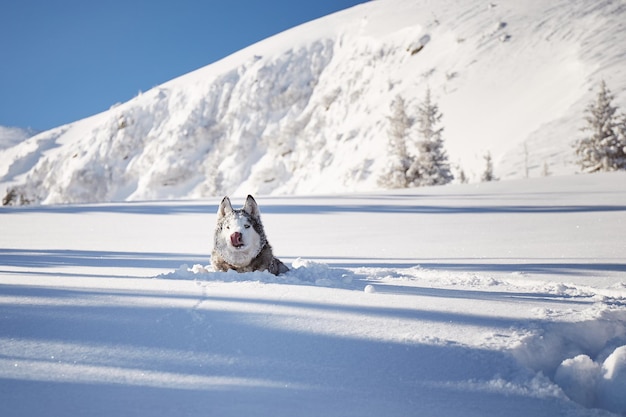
{"x":464,"y":300}
{"x":306,"y":111}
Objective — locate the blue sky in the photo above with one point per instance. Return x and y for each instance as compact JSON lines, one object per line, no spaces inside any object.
{"x":63,"y":60}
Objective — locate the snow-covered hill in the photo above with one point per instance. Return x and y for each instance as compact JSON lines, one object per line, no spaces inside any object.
{"x":306,"y":110}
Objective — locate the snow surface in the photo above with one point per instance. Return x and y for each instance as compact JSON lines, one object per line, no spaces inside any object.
{"x":11,"y":136}
{"x":306,"y":111}
{"x":495,"y":299}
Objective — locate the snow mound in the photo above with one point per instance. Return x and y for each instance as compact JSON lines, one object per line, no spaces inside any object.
{"x":301,"y":272}
{"x":613,"y":383}
{"x":593,"y":384}
{"x":579,"y":377}
{"x":586,"y":359}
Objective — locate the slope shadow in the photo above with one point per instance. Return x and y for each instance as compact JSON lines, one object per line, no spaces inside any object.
{"x":556,"y":268}
{"x":436,"y":209}
{"x":153,"y":208}
{"x":498,"y":265}
{"x":167,"y":208}
{"x":195,"y":359}
{"x":47,"y":258}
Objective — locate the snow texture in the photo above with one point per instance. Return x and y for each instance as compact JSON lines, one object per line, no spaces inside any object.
{"x":306,"y":111}
{"x":11,"y":136}
{"x":503,"y":298}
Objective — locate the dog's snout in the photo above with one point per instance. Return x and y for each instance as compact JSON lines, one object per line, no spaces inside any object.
{"x":236,"y":239}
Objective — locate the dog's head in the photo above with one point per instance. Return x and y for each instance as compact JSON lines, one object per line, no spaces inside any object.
{"x":240,"y":230}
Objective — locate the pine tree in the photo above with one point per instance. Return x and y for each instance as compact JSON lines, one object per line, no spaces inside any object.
{"x":620,"y":160}
{"x":604,"y":149}
{"x":431,"y":166}
{"x":399,"y":128}
{"x":488,"y":174}
{"x":460,"y":175}
{"x":526,"y":154}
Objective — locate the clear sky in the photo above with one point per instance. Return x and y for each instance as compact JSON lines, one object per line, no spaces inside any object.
{"x":63,"y":60}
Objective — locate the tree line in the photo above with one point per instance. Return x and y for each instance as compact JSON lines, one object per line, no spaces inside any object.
{"x":417,"y":155}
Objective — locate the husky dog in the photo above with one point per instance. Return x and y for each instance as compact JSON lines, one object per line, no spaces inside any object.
{"x":240,"y":242}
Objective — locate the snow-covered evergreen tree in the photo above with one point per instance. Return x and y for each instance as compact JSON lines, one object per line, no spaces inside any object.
{"x":430,"y":166}
{"x":604,"y":149}
{"x":526,"y":155}
{"x":488,"y":174}
{"x":399,"y":129}
{"x":621,"y":134}
{"x":460,"y":174}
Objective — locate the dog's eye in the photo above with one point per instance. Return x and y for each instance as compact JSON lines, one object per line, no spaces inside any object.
{"x":227,"y":227}
{"x":247,"y":226}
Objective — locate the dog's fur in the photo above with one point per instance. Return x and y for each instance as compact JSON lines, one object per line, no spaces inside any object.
{"x":240,"y":242}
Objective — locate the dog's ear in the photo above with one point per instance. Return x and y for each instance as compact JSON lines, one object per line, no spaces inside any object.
{"x":224,"y":208}
{"x":251,"y":207}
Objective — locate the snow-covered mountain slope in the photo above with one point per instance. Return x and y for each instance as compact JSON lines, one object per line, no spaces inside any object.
{"x":474,"y":300}
{"x":306,"y":111}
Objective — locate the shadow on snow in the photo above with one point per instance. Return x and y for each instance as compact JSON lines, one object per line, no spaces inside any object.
{"x":45,"y":258}
{"x":177,"y":207}
{"x":498,"y":265}
{"x":160,"y":360}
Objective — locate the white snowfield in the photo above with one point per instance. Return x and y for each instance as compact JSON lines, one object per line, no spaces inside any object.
{"x":498,"y":299}
{"x":306,"y":111}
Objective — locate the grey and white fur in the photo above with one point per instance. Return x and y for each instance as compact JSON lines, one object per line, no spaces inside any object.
{"x":240,"y":242}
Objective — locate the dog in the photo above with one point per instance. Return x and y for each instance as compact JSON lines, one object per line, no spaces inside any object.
{"x":240,"y":242}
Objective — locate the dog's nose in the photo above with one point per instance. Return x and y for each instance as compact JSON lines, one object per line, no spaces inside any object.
{"x":235,"y":239}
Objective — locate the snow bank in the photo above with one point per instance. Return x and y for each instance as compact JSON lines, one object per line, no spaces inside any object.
{"x":302,"y":272}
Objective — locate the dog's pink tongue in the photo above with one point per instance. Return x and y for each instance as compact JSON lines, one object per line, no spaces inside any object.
{"x":235,"y":239}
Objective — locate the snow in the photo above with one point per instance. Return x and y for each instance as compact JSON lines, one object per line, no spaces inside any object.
{"x":502,"y":298}
{"x":306,"y":111}
{"x":11,"y":136}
